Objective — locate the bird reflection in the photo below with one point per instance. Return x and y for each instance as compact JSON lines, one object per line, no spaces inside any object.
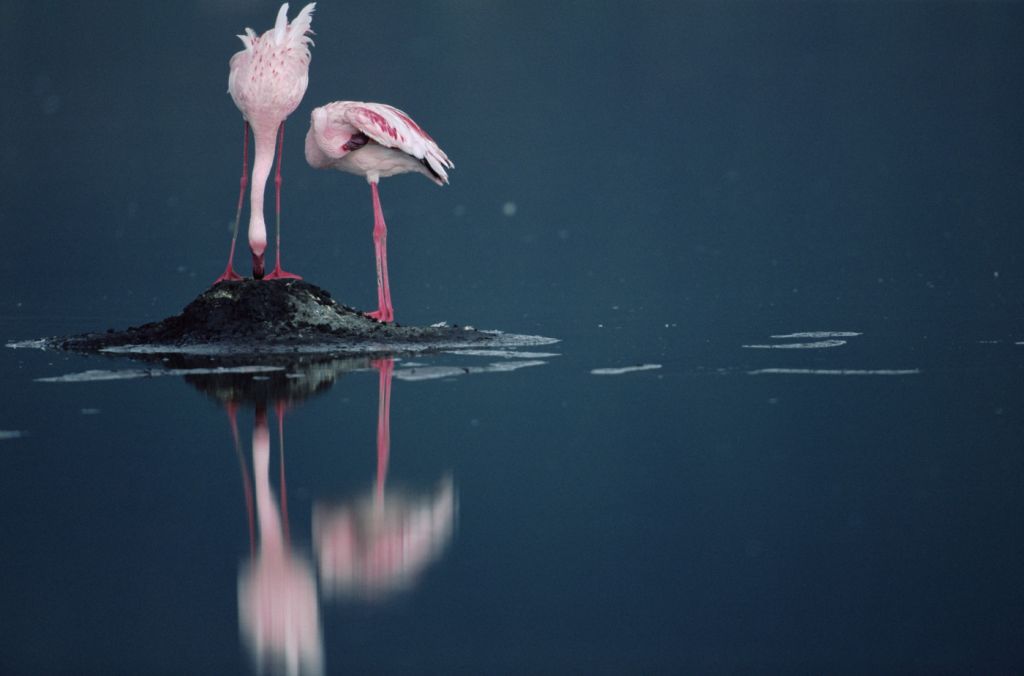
{"x":278,"y":613}
{"x":367,"y":548}
{"x":379,"y":543}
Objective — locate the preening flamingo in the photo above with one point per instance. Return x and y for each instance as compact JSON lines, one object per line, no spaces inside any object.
{"x":374,"y":140}
{"x":267,"y":80}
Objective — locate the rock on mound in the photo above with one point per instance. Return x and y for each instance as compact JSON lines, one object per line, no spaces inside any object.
{"x":271,"y":316}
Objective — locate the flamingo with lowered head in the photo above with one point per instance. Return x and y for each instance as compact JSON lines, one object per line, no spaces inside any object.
{"x":267,"y":81}
{"x":374,"y":140}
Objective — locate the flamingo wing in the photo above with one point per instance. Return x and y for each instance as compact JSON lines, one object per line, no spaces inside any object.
{"x":392,"y":128}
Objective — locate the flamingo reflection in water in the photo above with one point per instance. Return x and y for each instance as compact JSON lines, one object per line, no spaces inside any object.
{"x":278,"y":609}
{"x":365,"y":548}
{"x":380,"y":543}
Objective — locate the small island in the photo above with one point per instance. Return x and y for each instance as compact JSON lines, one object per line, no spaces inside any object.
{"x":253,"y":317}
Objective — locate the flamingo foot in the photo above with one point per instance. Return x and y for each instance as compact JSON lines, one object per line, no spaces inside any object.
{"x":382,"y":316}
{"x":278,"y":273}
{"x":229,"y":276}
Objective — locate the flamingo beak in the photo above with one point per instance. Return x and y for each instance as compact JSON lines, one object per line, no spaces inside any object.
{"x":257,"y":266}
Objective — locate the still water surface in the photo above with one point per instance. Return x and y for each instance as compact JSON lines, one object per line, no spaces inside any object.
{"x":849,"y":504}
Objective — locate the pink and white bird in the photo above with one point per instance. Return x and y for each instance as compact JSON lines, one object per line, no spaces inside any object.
{"x":267,"y":81}
{"x":374,"y":140}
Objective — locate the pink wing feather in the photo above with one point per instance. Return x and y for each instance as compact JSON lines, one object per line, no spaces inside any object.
{"x":391,"y":127}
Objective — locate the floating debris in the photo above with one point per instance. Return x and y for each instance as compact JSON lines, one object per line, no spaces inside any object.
{"x":616,"y":371}
{"x":819,"y":334}
{"x":436,"y":372}
{"x":512,"y":354}
{"x":816,"y":345}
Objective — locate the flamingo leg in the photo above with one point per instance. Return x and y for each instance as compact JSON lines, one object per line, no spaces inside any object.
{"x":385,"y":313}
{"x":386,"y":367}
{"x":229,"y":272}
{"x":277,"y":272}
{"x":232,"y":408}
{"x":284,"y":488}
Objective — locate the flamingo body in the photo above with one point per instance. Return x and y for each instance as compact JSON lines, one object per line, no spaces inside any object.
{"x":267,"y":80}
{"x":374,"y":140}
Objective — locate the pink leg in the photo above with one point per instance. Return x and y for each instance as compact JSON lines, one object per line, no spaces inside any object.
{"x":386,"y":367}
{"x":280,"y":406}
{"x":277,"y":272}
{"x":385,"y":313}
{"x":229,"y":272}
{"x":232,"y":408}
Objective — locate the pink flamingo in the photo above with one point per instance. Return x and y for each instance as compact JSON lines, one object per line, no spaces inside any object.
{"x":267,"y":81}
{"x":374,"y":140}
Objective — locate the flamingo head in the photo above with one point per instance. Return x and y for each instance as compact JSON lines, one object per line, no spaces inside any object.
{"x":257,"y":265}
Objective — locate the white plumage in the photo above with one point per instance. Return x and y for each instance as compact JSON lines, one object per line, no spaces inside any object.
{"x":268,"y":78}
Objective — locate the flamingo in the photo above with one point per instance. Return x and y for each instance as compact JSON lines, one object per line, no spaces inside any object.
{"x":374,"y":140}
{"x":267,"y":80}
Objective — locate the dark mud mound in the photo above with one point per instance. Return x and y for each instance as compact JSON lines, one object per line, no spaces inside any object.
{"x":256,"y":317}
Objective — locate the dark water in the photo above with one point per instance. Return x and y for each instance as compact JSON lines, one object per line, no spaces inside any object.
{"x":651,"y":184}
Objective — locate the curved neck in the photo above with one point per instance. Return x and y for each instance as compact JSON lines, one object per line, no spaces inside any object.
{"x":261,"y":165}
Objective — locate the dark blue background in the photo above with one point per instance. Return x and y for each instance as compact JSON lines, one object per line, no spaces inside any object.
{"x":696,"y":160}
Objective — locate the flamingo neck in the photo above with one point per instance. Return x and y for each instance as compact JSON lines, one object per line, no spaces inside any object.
{"x":261,"y":166}
{"x":268,"y":515}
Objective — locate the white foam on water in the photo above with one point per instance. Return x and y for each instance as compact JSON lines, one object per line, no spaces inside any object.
{"x":619,"y":370}
{"x":495,"y":339}
{"x":11,"y":434}
{"x":836,"y":372}
{"x":816,"y":345}
{"x":417,"y":373}
{"x":819,"y":334}
{"x":98,"y":375}
{"x":40,"y":344}
{"x":510,"y":354}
